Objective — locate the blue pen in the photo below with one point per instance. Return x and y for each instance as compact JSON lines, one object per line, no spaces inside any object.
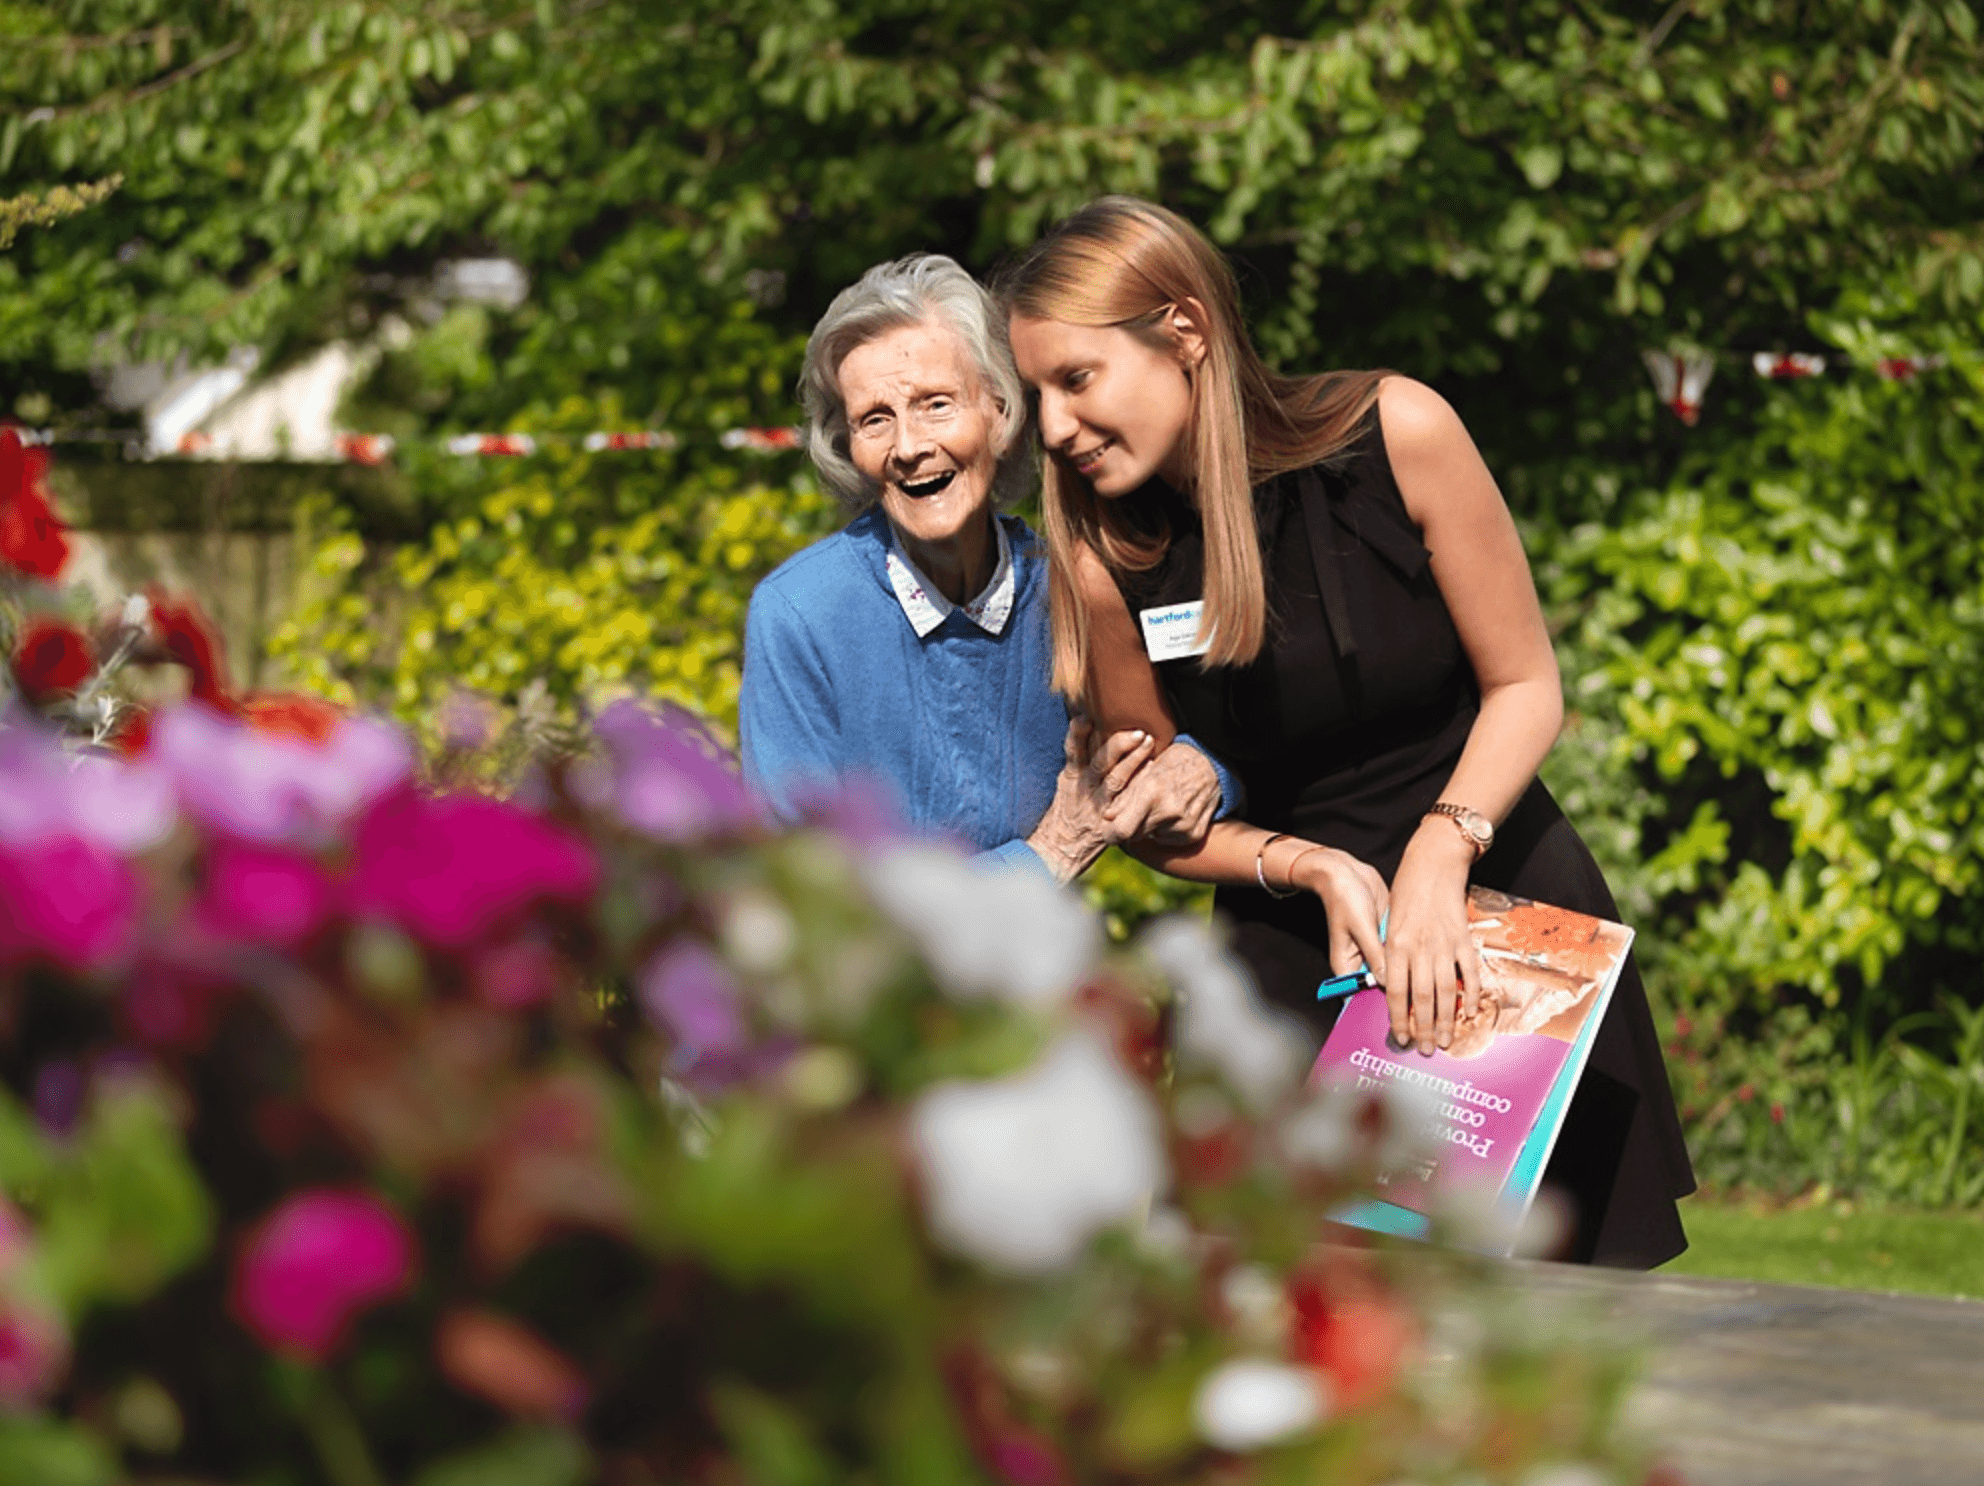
{"x":1357,"y":980}
{"x":1345,"y":985}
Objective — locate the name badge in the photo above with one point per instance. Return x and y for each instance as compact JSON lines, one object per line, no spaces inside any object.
{"x":1172,"y":633}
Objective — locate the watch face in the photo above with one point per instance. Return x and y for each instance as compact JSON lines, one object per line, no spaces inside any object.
{"x":1477,"y":827}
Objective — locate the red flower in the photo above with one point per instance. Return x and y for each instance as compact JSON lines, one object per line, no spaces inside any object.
{"x":1350,"y":1328}
{"x":189,"y":638}
{"x":1777,"y":1114}
{"x":291,"y":714}
{"x":53,"y":658}
{"x":33,"y":540}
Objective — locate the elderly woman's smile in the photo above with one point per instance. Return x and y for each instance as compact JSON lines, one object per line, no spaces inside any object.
{"x":920,"y":427}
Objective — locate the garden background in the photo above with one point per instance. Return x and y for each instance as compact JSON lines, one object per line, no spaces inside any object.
{"x":1771,"y":622}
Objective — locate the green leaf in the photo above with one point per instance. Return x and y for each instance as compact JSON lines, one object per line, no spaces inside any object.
{"x":1541,"y":164}
{"x":769,"y":1440}
{"x":517,"y":1457}
{"x":50,"y":1452}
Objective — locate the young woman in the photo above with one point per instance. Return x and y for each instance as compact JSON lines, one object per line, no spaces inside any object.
{"x":1318,"y":578}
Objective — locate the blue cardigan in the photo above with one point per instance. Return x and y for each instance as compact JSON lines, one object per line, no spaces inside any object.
{"x":962,"y":729}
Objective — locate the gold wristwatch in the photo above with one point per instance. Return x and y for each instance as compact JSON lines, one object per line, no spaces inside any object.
{"x":1478,"y":828}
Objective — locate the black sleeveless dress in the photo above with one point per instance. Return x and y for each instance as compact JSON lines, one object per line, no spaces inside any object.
{"x":1343,"y":731}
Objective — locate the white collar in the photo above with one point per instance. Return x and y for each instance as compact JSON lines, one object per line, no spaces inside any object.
{"x":925,"y":608}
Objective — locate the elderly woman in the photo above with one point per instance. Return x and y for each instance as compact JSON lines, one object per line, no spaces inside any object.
{"x":911,"y":648}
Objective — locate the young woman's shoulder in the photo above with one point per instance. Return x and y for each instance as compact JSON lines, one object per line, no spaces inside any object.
{"x":1433,"y":460}
{"x":1416,"y":419}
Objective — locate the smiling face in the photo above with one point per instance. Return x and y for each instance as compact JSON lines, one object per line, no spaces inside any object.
{"x":1114,"y":406}
{"x":922,"y":429}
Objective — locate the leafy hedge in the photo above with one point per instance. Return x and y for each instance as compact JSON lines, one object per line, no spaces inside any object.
{"x":1777,"y":743}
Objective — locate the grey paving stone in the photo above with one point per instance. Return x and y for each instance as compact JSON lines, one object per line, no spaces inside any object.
{"x":1753,"y":1385}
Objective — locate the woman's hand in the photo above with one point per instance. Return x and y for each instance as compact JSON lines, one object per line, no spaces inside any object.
{"x":1352,"y":893}
{"x":1075,"y":830}
{"x":1432,"y":954}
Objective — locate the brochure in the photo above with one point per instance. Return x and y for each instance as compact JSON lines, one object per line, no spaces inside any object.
{"x":1505,"y":1084}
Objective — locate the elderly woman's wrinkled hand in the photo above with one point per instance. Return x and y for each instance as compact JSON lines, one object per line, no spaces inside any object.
{"x":1170,"y":801}
{"x":1076,"y":828}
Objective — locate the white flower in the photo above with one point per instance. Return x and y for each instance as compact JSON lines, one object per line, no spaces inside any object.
{"x":1019,"y":1172}
{"x":1258,"y":1303}
{"x":986,"y":931}
{"x":758,"y":934}
{"x":1323,"y":1132}
{"x":1223,"y":1025}
{"x":1249,"y":1403}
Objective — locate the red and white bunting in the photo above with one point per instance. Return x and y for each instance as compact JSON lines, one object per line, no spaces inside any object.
{"x":364,"y":448}
{"x":647,"y":438}
{"x":1680,"y":377}
{"x":761,"y":440}
{"x":493,"y":445}
{"x":1788,"y":366}
{"x":1907,"y":368}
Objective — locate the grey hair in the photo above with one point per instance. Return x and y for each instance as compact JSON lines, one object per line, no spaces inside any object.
{"x":924,"y":288}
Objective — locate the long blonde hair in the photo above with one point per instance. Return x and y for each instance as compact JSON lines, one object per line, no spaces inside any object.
{"x":1124,"y":262}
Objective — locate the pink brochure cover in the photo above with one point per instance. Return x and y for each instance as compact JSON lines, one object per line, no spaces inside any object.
{"x":1545,"y":972}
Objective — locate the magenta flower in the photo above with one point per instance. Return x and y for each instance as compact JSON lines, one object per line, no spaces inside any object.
{"x":664,"y":774}
{"x":69,"y":901}
{"x":452,"y":871}
{"x":262,"y":786}
{"x":316,"y":1263}
{"x":691,"y":995}
{"x":34,"y":1344}
{"x":265,"y":894}
{"x":34,"y":1353}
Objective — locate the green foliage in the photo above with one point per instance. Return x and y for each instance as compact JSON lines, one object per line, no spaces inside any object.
{"x":122,"y":1204}
{"x":580,"y":577}
{"x":45,"y":208}
{"x":1507,"y":201}
{"x":1785,"y":652}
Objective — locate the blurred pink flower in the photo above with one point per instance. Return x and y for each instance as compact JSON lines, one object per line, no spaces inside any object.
{"x":664,"y":774}
{"x":516,"y":975}
{"x":261,"y":786}
{"x":264,"y":893}
{"x":314,"y":1264}
{"x":1025,"y":1460}
{"x":456,"y":869}
{"x":69,"y":901}
{"x":34,"y":1345}
{"x":49,"y":794}
{"x":690,"y":994}
{"x":34,"y":1353}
